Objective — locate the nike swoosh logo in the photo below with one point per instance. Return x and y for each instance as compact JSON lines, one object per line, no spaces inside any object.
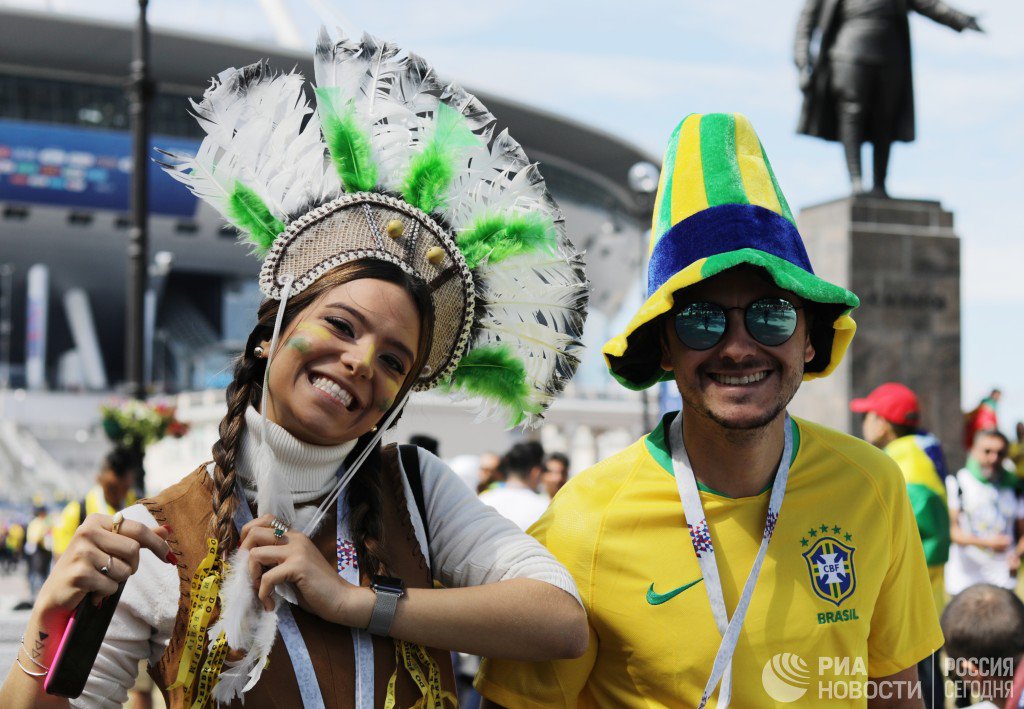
{"x":656,"y":599}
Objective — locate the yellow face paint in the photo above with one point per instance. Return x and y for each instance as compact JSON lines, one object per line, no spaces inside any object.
{"x":371,"y":352}
{"x":317,"y":332}
{"x":389,"y":399}
{"x":310,"y":331}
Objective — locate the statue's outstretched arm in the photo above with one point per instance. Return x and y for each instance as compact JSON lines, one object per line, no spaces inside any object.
{"x":946,"y":15}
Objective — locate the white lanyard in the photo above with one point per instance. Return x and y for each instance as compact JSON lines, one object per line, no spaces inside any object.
{"x":362,"y":643}
{"x":704,"y":548}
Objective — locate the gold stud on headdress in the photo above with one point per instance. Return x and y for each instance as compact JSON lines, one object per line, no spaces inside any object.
{"x":435,"y":255}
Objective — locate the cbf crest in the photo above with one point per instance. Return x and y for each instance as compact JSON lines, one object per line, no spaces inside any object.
{"x":830,"y":564}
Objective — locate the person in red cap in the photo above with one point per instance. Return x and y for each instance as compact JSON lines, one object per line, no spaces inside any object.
{"x":892,"y":417}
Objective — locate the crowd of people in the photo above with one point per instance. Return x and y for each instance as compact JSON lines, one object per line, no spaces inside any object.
{"x":971,"y":524}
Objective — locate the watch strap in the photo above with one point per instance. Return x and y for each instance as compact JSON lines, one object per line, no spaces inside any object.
{"x":383,"y":614}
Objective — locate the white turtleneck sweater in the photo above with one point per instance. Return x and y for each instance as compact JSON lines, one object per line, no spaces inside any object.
{"x":470,"y":544}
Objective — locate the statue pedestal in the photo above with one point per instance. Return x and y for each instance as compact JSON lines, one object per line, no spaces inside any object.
{"x":902,"y":258}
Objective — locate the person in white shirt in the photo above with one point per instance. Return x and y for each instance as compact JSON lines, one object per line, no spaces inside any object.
{"x":986,"y":513}
{"x":516,"y":500}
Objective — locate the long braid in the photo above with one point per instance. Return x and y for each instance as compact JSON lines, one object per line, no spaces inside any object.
{"x":366,"y":523}
{"x":241,"y":393}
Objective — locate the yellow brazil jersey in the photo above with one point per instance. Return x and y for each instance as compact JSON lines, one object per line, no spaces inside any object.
{"x":843,"y":594}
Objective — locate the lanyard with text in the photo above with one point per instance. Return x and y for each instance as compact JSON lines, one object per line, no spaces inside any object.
{"x":704,"y":548}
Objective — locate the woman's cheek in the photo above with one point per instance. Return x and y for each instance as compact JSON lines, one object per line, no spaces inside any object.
{"x":387,"y":400}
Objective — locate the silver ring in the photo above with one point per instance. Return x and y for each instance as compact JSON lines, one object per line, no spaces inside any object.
{"x":280,"y":528}
{"x":105,"y":569}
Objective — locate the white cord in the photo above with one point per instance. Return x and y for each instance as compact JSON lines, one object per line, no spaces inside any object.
{"x":343,"y":481}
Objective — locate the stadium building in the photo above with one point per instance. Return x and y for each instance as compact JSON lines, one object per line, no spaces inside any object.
{"x":65,"y":172}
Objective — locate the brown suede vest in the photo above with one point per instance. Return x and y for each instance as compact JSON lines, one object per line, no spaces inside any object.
{"x":187,"y":508}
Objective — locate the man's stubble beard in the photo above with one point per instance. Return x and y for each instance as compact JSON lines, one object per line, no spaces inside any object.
{"x":789,"y":390}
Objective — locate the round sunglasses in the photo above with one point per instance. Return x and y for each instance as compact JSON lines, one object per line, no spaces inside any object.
{"x":770,"y":321}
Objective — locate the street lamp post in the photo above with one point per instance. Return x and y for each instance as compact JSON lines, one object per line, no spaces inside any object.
{"x":140,"y":91}
{"x":643,"y":181}
{"x":6,"y":325}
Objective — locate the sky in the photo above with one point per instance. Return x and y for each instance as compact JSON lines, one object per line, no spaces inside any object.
{"x":635,"y":69}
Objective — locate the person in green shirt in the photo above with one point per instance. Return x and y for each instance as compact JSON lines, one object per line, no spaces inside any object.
{"x":891,"y":418}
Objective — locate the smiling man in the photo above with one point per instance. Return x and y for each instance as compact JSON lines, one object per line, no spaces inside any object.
{"x":734,"y":554}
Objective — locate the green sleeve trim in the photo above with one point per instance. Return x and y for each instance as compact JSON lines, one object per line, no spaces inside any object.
{"x":932,"y":517}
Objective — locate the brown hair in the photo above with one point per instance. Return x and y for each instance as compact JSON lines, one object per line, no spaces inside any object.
{"x":984,"y":621}
{"x":246,"y":389}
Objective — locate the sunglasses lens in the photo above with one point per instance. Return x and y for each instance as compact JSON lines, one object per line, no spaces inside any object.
{"x":700,"y":326}
{"x":771,"y":321}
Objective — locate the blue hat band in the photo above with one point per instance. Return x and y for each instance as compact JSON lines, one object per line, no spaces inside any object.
{"x":719,"y":230}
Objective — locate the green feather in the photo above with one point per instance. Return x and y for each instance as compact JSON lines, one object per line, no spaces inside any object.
{"x":494,"y":238}
{"x":347,"y":142}
{"x":495,"y":373}
{"x":250,"y":214}
{"x":431,"y":171}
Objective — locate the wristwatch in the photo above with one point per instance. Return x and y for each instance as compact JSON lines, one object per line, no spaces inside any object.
{"x":388,"y":589}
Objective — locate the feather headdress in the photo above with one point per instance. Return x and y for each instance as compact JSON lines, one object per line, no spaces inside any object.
{"x":395,"y":165}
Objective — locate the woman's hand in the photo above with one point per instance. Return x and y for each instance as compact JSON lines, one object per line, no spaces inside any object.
{"x":294,"y":558}
{"x":79,"y":571}
{"x":94,"y":547}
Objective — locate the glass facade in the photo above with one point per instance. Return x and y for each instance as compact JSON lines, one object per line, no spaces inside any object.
{"x":90,"y":105}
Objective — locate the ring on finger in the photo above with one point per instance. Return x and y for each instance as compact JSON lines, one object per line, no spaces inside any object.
{"x":280,"y":528}
{"x":116,"y":526}
{"x":105,"y":569}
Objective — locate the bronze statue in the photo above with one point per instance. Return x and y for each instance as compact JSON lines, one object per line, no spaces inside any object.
{"x":857,"y":86}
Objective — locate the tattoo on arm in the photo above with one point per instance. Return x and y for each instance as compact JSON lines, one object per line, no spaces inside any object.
{"x":40,"y":645}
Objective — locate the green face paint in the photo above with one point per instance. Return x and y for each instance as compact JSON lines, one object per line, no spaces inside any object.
{"x":299,"y":344}
{"x":385,"y":404}
{"x":302,"y":343}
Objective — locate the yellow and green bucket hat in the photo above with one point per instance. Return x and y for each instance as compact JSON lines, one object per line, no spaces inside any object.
{"x":719,"y":206}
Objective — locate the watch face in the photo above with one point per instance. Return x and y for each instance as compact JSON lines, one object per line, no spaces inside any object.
{"x":391,"y":584}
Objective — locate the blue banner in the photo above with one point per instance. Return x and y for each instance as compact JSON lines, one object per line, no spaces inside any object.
{"x":84,"y":167}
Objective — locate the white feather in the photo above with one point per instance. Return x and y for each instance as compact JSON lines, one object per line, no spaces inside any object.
{"x":238,"y":602}
{"x":253,"y":119}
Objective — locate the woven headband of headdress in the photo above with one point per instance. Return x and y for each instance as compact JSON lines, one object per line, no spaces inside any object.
{"x":396,"y":166}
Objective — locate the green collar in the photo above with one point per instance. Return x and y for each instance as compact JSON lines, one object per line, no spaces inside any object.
{"x":657,"y":446}
{"x":1005,"y":479}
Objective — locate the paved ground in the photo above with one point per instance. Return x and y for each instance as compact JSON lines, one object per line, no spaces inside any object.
{"x":13,"y":588}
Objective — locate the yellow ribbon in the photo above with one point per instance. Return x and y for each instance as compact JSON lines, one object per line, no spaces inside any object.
{"x":205,"y":587}
{"x":211,"y":671}
{"x":414,"y":658}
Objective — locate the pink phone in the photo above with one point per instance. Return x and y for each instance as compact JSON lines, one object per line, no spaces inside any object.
{"x":79,"y":646}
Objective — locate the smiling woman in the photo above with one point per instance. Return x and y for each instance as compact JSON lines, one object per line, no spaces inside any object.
{"x":406,"y":247}
{"x":350,"y":346}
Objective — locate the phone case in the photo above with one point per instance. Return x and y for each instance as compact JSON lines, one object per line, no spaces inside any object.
{"x":76,"y":653}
